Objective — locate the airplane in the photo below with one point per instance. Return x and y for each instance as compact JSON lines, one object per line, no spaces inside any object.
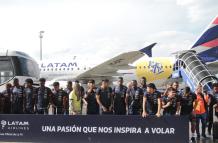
{"x":134,"y":64}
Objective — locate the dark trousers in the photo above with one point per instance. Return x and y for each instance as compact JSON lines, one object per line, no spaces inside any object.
{"x":203,"y":119}
{"x":210,"y":120}
{"x":58,"y":110}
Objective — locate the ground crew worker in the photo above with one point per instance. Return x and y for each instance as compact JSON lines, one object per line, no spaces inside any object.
{"x":200,"y":110}
{"x":90,"y":97}
{"x":29,"y":97}
{"x":7,"y":95}
{"x":104,"y":97}
{"x":17,"y":97}
{"x":133,"y":97}
{"x":59,"y":99}
{"x":151,"y":101}
{"x":170,"y":103}
{"x":119,"y":94}
{"x":187,"y":100}
{"x":44,"y":97}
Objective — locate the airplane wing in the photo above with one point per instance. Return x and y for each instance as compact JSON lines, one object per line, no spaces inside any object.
{"x":120,"y":62}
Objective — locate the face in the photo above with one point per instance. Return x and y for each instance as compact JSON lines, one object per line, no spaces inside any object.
{"x":134,"y":83}
{"x":175,"y":85}
{"x":171,"y":94}
{"x":129,"y":85}
{"x":28,"y":84}
{"x":42,"y":83}
{"x":199,"y":89}
{"x":215,"y":89}
{"x":120,"y":82}
{"x":16,"y":82}
{"x":56,"y":88}
{"x":69,"y":85}
{"x":91,"y":85}
{"x":150,"y":90}
{"x":143,"y":82}
{"x":105,"y":84}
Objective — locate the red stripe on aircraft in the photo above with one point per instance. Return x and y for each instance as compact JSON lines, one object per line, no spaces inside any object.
{"x":211,"y":44}
{"x":215,"y":21}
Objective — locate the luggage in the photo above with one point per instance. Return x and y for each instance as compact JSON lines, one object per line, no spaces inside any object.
{"x":215,"y":131}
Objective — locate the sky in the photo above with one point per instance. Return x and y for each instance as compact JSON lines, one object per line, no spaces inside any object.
{"x":102,"y":29}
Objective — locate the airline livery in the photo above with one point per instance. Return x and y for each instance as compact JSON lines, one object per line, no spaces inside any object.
{"x":131,"y":65}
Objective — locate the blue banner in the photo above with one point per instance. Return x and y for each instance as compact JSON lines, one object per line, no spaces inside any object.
{"x":93,"y":129}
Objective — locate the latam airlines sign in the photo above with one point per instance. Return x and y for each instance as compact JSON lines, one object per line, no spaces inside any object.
{"x":59,"y":65}
{"x":93,"y":129}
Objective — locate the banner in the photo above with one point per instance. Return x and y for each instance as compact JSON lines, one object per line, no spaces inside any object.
{"x":93,"y":129}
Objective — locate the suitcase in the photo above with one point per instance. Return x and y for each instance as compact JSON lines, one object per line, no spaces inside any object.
{"x":215,"y":131}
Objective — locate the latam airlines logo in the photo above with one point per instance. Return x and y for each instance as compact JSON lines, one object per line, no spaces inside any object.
{"x":155,"y":67}
{"x":3,"y":123}
{"x":14,"y":125}
{"x":59,"y":65}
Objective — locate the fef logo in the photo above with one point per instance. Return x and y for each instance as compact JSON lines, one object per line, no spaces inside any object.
{"x":3,"y":123}
{"x":155,"y":67}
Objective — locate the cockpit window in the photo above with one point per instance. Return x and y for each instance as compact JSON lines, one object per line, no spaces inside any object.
{"x":6,"y":70}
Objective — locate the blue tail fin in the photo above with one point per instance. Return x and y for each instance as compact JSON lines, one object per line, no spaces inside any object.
{"x":148,"y":50}
{"x":207,"y":45}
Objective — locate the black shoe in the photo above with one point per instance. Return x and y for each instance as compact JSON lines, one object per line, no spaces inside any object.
{"x":193,"y":139}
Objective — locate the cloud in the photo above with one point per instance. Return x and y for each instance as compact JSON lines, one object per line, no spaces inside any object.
{"x":99,"y":30}
{"x":200,"y":10}
{"x":171,"y":41}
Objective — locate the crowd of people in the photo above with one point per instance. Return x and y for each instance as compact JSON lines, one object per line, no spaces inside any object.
{"x":134,"y":99}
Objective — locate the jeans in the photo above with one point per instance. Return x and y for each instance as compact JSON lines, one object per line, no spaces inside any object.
{"x":203,"y":118}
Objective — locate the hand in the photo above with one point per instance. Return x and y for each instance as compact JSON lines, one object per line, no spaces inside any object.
{"x":144,"y":114}
{"x":158,"y":115}
{"x":168,"y":103}
{"x":110,"y":108}
{"x":73,"y":113}
{"x":104,"y":109}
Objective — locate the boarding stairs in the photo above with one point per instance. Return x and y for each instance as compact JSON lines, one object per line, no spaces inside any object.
{"x":194,"y":71}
